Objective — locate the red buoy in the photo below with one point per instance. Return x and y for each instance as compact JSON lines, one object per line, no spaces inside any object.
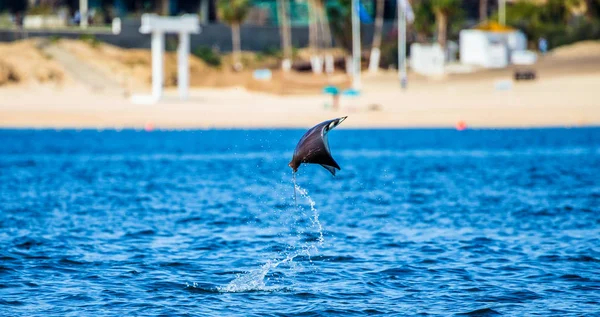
{"x":149,"y":126}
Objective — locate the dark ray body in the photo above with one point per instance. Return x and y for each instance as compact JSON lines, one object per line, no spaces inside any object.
{"x":313,"y":147}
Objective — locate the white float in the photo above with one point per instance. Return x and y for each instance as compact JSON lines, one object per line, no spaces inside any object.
{"x":159,"y":25}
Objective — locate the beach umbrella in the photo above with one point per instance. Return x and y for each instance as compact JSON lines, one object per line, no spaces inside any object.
{"x":363,"y":14}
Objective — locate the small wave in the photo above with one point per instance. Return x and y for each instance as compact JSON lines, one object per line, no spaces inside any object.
{"x":338,"y":258}
{"x":574,"y":151}
{"x":5,"y":269}
{"x":557,"y":258}
{"x":167,"y":157}
{"x":201,"y":288}
{"x":583,"y":258}
{"x":28,"y":244}
{"x":481,"y":312}
{"x":11,"y":302}
{"x":397,"y":272}
{"x":575,"y":277}
{"x":147,"y":232}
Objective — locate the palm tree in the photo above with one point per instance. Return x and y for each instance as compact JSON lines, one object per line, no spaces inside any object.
{"x":375,"y":48}
{"x":234,"y":12}
{"x":483,"y":7}
{"x":424,"y":24}
{"x":576,"y":7}
{"x":443,"y":10}
{"x":319,"y":33}
{"x":162,"y":7}
{"x":286,"y":36}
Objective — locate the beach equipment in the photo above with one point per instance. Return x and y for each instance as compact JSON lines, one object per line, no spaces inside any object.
{"x":351,"y":92}
{"x":157,"y":26}
{"x":523,"y":57}
{"x":503,"y":85}
{"x":262,"y":74}
{"x":335,"y":94}
{"x":525,"y":75}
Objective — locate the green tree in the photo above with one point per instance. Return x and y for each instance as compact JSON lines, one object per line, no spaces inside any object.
{"x":592,"y":9}
{"x":549,"y":20}
{"x":234,"y":12}
{"x":340,"y":21}
{"x":286,"y":34}
{"x":576,"y":7}
{"x":424,"y":24}
{"x":444,"y":10}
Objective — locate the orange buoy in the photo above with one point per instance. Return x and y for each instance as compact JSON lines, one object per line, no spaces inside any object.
{"x":149,"y":126}
{"x":461,"y":125}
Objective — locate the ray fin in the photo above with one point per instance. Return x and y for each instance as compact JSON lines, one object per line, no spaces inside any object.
{"x":331,"y":169}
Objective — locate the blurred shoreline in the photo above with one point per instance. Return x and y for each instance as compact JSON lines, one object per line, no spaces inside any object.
{"x":565,"y":94}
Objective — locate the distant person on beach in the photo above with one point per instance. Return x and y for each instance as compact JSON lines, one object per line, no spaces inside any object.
{"x":76,"y":17}
{"x":543,"y":45}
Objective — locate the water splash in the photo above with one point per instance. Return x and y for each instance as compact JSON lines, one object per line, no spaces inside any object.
{"x":295,"y":185}
{"x":315,"y":213}
{"x":256,"y":280}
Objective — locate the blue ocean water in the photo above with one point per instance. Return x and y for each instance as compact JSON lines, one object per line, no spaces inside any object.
{"x":203,"y":223}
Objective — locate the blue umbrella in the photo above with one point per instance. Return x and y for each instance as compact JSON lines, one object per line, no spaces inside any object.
{"x":331,"y":90}
{"x":363,"y":14}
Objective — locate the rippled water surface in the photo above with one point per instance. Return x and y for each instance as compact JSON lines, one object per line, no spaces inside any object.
{"x":417,"y":222}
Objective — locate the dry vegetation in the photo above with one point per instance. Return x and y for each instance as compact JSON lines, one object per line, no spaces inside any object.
{"x":24,"y":63}
{"x":132,"y":68}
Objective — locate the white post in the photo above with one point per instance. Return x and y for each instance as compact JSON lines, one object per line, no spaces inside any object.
{"x":329,"y":64}
{"x":183,"y":69}
{"x":374,"y":60}
{"x":158,"y":46}
{"x":402,"y":44}
{"x":317,"y":64}
{"x":502,"y":11}
{"x":83,"y":13}
{"x":158,"y":26}
{"x":356,"y":54}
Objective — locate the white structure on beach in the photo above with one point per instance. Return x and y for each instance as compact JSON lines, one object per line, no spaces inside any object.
{"x":427,"y":59}
{"x":158,"y":26}
{"x":490,"y":45}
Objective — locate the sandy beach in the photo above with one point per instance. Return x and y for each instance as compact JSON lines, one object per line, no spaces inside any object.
{"x":565,"y":94}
